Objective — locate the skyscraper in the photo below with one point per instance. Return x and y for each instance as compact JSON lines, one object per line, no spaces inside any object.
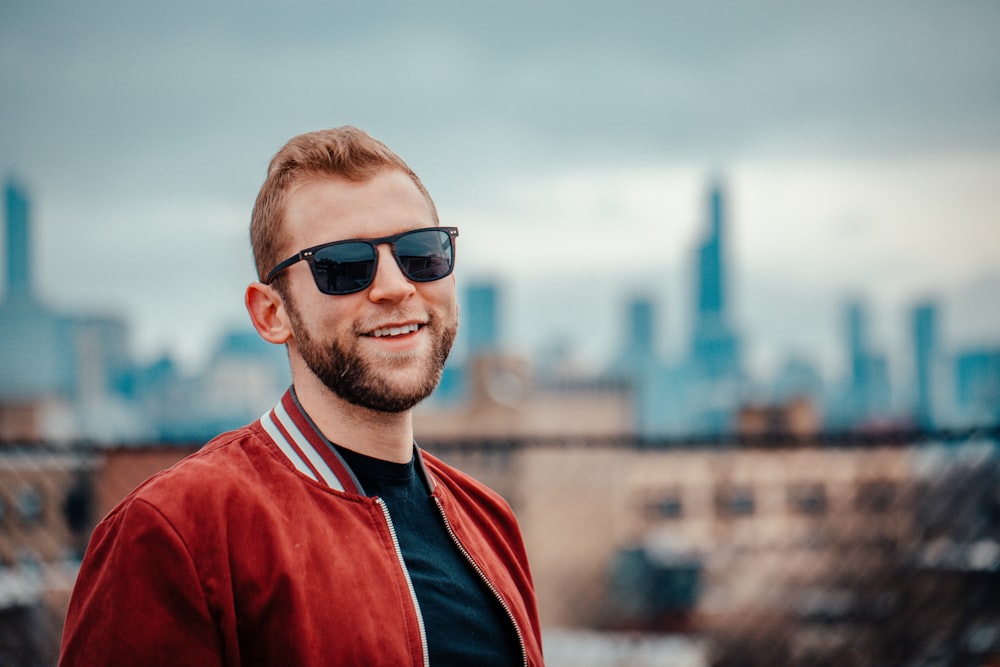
{"x":18,"y":244}
{"x":480,"y":318}
{"x":925,"y":342}
{"x":36,"y":345}
{"x":868,"y":389}
{"x":977,"y":390}
{"x":857,"y":347}
{"x":637,"y":360}
{"x":641,"y":329}
{"x":715,"y":347}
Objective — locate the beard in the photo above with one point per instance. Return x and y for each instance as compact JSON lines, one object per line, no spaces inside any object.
{"x":367,"y":380}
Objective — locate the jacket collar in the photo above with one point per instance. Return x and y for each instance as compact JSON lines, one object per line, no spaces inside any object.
{"x":310,"y":452}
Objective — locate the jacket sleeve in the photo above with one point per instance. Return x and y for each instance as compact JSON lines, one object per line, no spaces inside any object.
{"x":138,"y":599}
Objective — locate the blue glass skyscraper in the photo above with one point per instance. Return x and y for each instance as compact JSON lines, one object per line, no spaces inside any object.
{"x":868,"y":390}
{"x":480,"y":318}
{"x":924,"y":352}
{"x":36,"y":344}
{"x":18,"y":244}
{"x":715,"y":345}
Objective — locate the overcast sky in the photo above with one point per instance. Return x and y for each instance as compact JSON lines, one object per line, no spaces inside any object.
{"x":571,"y":141}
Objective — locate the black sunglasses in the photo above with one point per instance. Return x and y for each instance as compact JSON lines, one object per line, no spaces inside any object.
{"x":345,"y":267}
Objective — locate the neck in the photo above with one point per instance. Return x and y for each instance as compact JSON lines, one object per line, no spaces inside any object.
{"x":381,"y":435}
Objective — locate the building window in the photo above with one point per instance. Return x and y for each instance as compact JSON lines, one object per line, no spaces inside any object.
{"x":875,"y":496}
{"x":808,"y":498}
{"x":666,"y":505}
{"x":30,"y":505}
{"x":734,"y":501}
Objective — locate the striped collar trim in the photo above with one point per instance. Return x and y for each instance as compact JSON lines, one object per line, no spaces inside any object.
{"x":305,"y":447}
{"x":310,"y":452}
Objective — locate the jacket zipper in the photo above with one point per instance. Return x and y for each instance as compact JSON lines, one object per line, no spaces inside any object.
{"x":409,"y":583}
{"x":482,"y":575}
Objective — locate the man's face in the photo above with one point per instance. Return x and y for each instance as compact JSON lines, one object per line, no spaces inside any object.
{"x":382,"y":348}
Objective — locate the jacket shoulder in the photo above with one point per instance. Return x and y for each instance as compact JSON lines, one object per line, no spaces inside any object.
{"x":467,"y":489}
{"x":221,"y":468}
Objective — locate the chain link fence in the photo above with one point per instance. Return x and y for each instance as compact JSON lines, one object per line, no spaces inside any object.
{"x":881,"y":549}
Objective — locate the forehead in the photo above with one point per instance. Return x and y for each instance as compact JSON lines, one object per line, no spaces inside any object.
{"x":328,"y":208}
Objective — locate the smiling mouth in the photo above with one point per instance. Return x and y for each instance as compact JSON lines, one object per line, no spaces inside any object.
{"x":394,"y":331}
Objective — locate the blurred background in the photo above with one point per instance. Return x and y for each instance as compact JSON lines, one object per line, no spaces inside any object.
{"x":730,"y":281}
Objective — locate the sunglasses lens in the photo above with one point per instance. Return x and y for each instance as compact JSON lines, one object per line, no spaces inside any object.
{"x":349,"y":266}
{"x":425,"y":255}
{"x":344,"y":267}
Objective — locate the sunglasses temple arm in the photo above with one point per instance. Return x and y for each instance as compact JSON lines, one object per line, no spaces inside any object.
{"x":282,"y":266}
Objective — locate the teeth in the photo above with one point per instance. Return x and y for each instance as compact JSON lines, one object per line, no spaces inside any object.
{"x":395,"y":331}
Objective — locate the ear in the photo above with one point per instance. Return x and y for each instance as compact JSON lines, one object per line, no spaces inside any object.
{"x":267,"y":312}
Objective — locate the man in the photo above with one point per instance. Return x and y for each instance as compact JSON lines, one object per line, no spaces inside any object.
{"x":321,"y":534}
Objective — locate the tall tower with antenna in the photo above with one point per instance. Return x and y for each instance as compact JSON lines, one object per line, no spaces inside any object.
{"x":715,"y":347}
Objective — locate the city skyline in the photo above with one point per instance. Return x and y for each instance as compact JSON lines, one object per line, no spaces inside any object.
{"x":84,"y":358}
{"x":886,"y":329}
{"x":798,"y":322}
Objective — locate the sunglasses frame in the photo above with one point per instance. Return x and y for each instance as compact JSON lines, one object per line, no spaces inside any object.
{"x":309,"y":255}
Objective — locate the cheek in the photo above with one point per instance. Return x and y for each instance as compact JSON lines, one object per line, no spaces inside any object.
{"x":443,"y":297}
{"x":324,"y":315}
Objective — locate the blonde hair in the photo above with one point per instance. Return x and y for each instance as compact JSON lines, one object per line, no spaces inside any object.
{"x":343,"y":152}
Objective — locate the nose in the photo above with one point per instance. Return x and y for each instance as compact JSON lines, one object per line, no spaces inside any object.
{"x":389,"y":283}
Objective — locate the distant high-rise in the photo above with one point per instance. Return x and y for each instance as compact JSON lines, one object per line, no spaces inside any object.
{"x":868,"y":387}
{"x":641,"y":329}
{"x":637,"y":356}
{"x":715,"y":345}
{"x":480,"y":318}
{"x":18,"y":254}
{"x":37,"y":348}
{"x":925,"y":342}
{"x":711,"y":271}
{"x":857,"y":346}
{"x":977,"y":391}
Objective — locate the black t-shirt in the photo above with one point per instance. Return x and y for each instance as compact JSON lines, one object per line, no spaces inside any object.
{"x":464,"y":622}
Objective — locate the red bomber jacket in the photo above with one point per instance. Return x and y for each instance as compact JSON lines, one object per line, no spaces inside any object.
{"x":260,"y":549}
